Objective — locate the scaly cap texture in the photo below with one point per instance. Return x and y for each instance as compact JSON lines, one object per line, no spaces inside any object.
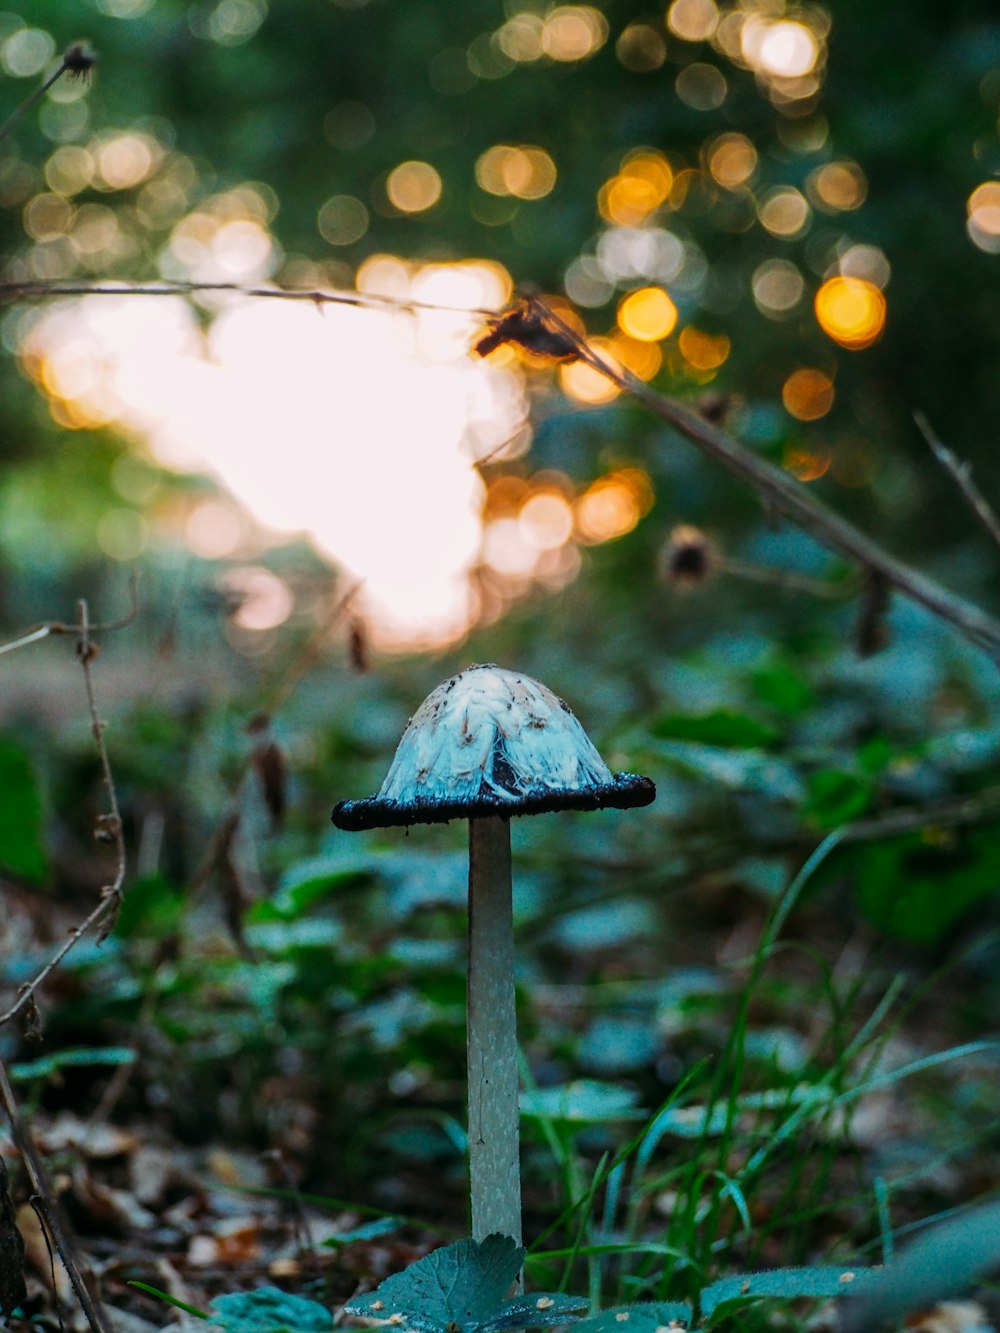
{"x":491,"y":742}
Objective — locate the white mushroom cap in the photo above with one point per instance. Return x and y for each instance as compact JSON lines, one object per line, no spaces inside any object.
{"x":492,"y":742}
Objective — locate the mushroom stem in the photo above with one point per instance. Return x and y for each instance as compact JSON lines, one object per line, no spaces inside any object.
{"x":494,"y":1163}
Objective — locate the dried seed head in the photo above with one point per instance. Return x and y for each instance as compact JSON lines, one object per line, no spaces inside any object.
{"x":107,"y":828}
{"x":689,"y":557}
{"x":527,"y":328}
{"x":715,"y":407}
{"x":79,"y":60}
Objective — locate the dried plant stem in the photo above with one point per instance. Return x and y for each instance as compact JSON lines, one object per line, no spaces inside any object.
{"x":961,"y":475}
{"x":789,"y":580}
{"x":13,"y":120}
{"x":781,"y":492}
{"x":48,"y":1208}
{"x":104,"y":913}
{"x":34,"y":291}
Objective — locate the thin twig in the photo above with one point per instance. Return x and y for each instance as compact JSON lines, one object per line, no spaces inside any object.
{"x":782,"y":492}
{"x":971,"y":809}
{"x":106,"y":910}
{"x":112,"y":822}
{"x":49,"y":1208}
{"x":29,"y":291}
{"x":60,"y":627}
{"x":788,"y":579}
{"x":32,"y":636}
{"x":961,"y":475}
{"x":73,"y":61}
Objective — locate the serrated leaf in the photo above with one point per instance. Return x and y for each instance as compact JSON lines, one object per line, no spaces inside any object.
{"x":782,"y":1283}
{"x":455,"y":1289}
{"x":539,"y":1310}
{"x":269,"y":1310}
{"x":644,"y":1317}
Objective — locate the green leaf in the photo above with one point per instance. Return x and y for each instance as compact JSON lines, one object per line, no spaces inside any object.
{"x":268,"y":1310}
{"x":463,"y":1284}
{"x":584,"y":1101}
{"x":646,"y":1317}
{"x":721,"y":726}
{"x":462,"y":1288}
{"x":170,"y":1300}
{"x":381,"y":1226}
{"x":781,"y":688}
{"x":76,"y":1058}
{"x":737,"y":770}
{"x":314,"y":879}
{"x":21,"y":848}
{"x":782,"y":1283}
{"x":152,"y":909}
{"x":943,"y":1262}
{"x":916,"y":889}
{"x":835,"y":798}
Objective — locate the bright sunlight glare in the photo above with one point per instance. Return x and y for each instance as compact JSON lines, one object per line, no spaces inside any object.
{"x":358,"y":428}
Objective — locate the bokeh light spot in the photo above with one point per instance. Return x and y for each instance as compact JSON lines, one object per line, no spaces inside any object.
{"x":640,"y":48}
{"x":693,"y":20}
{"x":647,"y":314}
{"x":263,"y":601}
{"x":413,"y":187}
{"x":703,"y":351}
{"x":806,"y":464}
{"x":851,"y":311}
{"x":807,"y":394}
{"x":546,"y":520}
{"x":342,"y":220}
{"x":837,"y":187}
{"x":573,"y":32}
{"x":522,"y":171}
{"x":787,"y":49}
{"x":584,"y":383}
{"x":732,"y":160}
{"x":784,"y":212}
{"x":612,"y":506}
{"x":984,"y":217}
{"x":778,"y":287}
{"x":520,"y":38}
{"x":701,"y":86}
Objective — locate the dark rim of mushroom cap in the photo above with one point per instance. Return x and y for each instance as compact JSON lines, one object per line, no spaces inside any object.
{"x":625,"y":791}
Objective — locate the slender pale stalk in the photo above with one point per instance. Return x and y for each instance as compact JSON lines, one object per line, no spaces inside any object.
{"x":494,"y":1162}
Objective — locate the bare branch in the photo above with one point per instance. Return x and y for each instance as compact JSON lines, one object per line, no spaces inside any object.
{"x":110,"y":825}
{"x":48,"y":1207}
{"x":961,"y":475}
{"x":783,"y":493}
{"x":38,"y":632}
{"x":40,"y":291}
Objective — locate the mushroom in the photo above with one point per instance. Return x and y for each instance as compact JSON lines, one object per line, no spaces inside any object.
{"x":486,"y":745}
